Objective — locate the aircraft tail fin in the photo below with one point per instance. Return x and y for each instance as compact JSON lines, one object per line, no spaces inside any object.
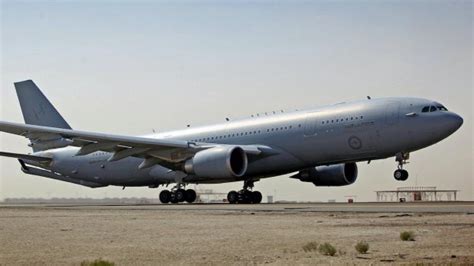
{"x":36,"y":108}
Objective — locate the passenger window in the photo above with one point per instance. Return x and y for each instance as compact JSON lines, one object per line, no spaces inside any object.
{"x":425,"y":109}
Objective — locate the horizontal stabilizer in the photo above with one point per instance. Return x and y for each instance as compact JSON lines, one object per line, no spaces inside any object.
{"x":48,"y":174}
{"x":25,"y":157}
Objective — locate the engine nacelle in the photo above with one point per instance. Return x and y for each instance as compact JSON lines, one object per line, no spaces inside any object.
{"x":218,"y":162}
{"x":331,"y":175}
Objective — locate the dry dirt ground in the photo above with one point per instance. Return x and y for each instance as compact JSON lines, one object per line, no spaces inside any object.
{"x":198,"y":235}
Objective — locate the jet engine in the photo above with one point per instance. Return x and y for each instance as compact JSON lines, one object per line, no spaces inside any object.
{"x":218,"y":162}
{"x":330,"y":175}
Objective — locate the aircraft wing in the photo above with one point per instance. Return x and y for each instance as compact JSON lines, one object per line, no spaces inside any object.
{"x":155,"y":151}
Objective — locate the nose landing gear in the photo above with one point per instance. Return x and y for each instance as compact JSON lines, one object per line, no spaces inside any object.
{"x":245,"y":195}
{"x":178,"y":194}
{"x":401,"y":174}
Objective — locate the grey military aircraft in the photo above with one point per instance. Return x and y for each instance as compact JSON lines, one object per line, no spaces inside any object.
{"x":321,"y":146}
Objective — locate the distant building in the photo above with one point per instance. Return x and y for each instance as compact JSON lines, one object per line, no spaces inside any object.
{"x":269,"y":199}
{"x":210,"y":196}
{"x":417,"y":194}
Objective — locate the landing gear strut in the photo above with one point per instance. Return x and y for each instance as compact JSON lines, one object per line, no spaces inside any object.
{"x":245,"y":195}
{"x":178,"y":194}
{"x":401,"y":174}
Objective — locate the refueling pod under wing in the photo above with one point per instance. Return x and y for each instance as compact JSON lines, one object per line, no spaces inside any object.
{"x":330,"y":175}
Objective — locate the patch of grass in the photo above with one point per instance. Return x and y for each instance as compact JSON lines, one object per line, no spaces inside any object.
{"x":362,"y":247}
{"x":311,"y":246}
{"x":327,"y":249}
{"x":97,"y":262}
{"x":407,"y":236}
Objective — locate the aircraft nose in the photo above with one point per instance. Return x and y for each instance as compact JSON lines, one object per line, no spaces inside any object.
{"x":455,"y":121}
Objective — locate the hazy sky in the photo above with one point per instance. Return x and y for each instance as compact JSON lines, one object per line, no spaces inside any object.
{"x":125,"y":67}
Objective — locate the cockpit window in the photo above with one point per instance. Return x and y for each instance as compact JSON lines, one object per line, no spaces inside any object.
{"x":441,"y":108}
{"x":433,"y":108}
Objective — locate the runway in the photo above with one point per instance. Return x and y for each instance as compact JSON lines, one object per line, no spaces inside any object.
{"x":203,"y":234}
{"x":368,"y":207}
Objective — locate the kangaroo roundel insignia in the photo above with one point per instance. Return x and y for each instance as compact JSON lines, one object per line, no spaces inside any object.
{"x":355,"y":143}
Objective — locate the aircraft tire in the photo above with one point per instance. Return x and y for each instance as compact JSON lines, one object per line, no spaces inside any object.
{"x":173,"y":198}
{"x":165,"y":196}
{"x":180,"y":195}
{"x":245,"y":197}
{"x":404,"y":175}
{"x":233,"y":197}
{"x":190,"y":195}
{"x":398,"y":174}
{"x":256,"y":197}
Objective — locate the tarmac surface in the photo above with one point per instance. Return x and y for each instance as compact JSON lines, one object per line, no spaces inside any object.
{"x":202,"y":234}
{"x":367,"y":207}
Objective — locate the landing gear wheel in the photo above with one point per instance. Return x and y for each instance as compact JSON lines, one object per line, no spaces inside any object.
{"x":173,"y":198}
{"x":256,"y":197}
{"x":190,"y":195}
{"x":245,"y":197}
{"x":180,"y":195}
{"x":165,"y":196}
{"x":404,"y":175}
{"x":233,"y":197}
{"x":400,"y":174}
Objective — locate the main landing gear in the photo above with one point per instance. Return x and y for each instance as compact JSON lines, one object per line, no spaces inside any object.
{"x":401,"y":174}
{"x":178,"y":194}
{"x":245,"y":195}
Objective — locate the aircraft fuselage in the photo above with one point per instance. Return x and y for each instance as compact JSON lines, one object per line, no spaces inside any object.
{"x":345,"y":132}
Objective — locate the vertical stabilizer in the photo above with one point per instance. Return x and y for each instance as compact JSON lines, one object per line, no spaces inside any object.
{"x":36,"y":108}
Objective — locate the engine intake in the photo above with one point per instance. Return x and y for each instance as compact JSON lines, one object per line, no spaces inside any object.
{"x":331,"y":175}
{"x":218,"y":162}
